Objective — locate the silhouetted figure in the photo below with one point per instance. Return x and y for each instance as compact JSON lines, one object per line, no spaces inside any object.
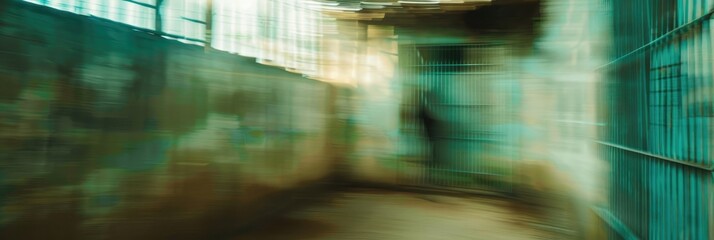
{"x":431,"y":130}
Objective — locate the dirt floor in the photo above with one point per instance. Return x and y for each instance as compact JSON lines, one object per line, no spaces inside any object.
{"x":377,"y":214}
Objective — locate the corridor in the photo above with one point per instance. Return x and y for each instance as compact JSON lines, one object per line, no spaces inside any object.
{"x":356,"y":119}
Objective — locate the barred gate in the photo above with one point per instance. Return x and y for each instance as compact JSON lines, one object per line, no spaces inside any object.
{"x":471,"y":97}
{"x":657,"y":103}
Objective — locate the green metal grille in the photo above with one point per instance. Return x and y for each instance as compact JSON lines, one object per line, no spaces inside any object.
{"x":657,"y":105}
{"x":470,"y":96}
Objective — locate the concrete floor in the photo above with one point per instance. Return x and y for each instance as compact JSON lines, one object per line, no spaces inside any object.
{"x":377,"y":214}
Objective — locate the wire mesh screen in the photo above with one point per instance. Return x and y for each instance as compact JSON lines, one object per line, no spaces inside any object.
{"x":457,"y":109}
{"x":658,"y":138}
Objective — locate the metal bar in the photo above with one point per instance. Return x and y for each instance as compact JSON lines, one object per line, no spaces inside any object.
{"x":614,"y":223}
{"x":179,"y":37}
{"x":208,"y":24}
{"x":666,"y":36}
{"x":141,"y":4}
{"x":158,"y":19}
{"x":193,"y":20}
{"x":699,"y":166}
{"x":666,"y":66}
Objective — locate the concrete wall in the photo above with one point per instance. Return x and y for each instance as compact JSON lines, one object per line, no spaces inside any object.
{"x":109,"y":131}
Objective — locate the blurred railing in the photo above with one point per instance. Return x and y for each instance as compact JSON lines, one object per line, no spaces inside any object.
{"x":657,"y":104}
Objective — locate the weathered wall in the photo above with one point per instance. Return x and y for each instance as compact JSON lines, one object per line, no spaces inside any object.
{"x":108,"y":131}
